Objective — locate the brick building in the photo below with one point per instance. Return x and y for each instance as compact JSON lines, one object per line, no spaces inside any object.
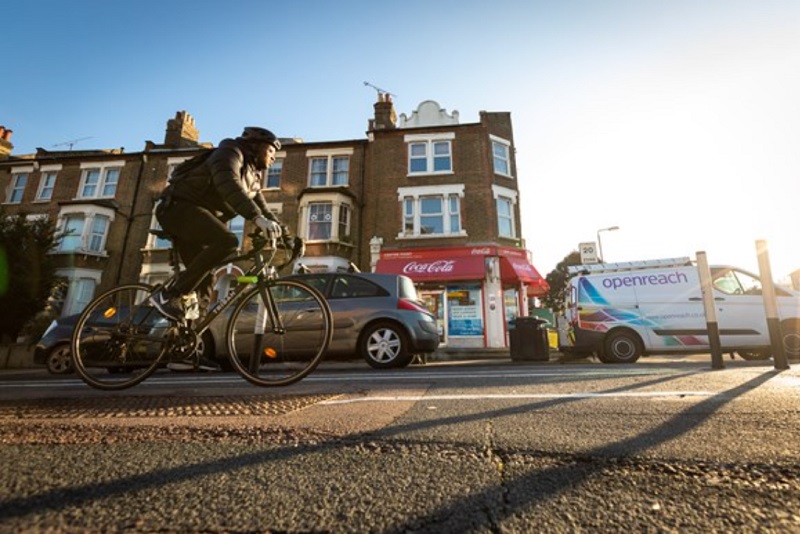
{"x":422,"y":195}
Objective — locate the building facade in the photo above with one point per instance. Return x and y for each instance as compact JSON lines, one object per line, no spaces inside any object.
{"x":422,"y":195}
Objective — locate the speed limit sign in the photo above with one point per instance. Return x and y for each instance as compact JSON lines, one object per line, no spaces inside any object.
{"x":588,"y":252}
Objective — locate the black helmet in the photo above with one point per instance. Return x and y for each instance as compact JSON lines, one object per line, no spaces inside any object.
{"x":261,"y":135}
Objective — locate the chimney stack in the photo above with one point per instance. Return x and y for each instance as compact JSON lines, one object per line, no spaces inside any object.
{"x":181,"y":131}
{"x":5,"y":144}
{"x":385,"y":117}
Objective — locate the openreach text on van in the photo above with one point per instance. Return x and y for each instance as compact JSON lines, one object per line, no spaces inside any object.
{"x":617,"y":282}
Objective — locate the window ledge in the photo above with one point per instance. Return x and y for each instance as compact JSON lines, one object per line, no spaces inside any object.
{"x":434,"y":173}
{"x":462,"y":233}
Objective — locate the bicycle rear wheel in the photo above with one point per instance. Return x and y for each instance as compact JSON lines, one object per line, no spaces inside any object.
{"x":119,"y":339}
{"x":279,"y":348}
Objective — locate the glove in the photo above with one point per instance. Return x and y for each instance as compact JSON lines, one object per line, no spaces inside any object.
{"x":270,"y":228}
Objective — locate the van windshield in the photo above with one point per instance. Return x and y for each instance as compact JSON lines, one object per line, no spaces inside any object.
{"x":734,"y":282}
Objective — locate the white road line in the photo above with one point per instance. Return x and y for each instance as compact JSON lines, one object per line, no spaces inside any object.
{"x":514,"y":396}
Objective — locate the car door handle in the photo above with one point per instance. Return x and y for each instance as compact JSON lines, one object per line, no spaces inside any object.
{"x":696,"y":299}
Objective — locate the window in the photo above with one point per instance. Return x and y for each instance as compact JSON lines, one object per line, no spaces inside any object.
{"x":18,"y":182}
{"x":431,"y":211}
{"x":84,"y":229}
{"x":236,"y":225}
{"x":344,"y":222}
{"x":47,"y":184}
{"x":500,"y":155}
{"x":97,"y":236}
{"x":329,"y":171}
{"x":273,"y":173}
{"x":319,"y":221}
{"x":325,"y":217}
{"x":152,"y":240}
{"x":99,"y":182}
{"x":505,"y":217}
{"x":430,"y":154}
{"x":505,"y":200}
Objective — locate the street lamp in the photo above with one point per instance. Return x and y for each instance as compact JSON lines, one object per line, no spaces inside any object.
{"x":600,"y":244}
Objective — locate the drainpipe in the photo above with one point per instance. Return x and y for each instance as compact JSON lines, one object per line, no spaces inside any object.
{"x":130,"y":218}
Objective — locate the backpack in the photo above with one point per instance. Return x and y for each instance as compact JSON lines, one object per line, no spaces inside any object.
{"x":185,"y":169}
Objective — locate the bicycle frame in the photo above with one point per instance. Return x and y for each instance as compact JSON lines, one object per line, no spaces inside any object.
{"x":263,"y":271}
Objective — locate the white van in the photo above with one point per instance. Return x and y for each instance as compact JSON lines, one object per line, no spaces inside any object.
{"x":622,"y":311}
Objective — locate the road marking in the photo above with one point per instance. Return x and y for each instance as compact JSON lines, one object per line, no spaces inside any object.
{"x":516,"y":396}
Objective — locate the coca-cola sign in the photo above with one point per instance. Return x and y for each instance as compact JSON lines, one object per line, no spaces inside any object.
{"x":438,"y":266}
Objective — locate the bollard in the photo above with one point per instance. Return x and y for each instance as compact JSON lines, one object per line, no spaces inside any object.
{"x":771,"y":306}
{"x":710,"y":310}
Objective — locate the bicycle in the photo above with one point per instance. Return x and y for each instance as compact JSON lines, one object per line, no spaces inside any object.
{"x":278,"y":330}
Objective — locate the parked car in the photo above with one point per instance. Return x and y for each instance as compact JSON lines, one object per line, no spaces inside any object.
{"x":378,"y":317}
{"x":54,"y":352}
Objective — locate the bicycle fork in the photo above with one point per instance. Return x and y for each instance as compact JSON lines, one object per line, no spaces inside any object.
{"x":267,"y":309}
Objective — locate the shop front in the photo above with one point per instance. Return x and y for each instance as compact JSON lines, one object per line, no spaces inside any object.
{"x":473,"y":291}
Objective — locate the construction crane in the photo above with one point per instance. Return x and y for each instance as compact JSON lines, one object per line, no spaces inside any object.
{"x":72,"y":142}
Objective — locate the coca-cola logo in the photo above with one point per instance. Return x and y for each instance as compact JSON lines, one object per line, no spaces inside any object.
{"x":481,"y":251}
{"x":439,"y":266}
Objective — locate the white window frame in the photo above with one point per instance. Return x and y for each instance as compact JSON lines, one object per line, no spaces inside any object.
{"x":336,"y":200}
{"x":77,"y":280}
{"x":504,"y":193}
{"x":18,"y":174}
{"x":88,"y":213}
{"x":411,"y":196}
{"x":102,"y":181}
{"x":505,"y":145}
{"x":44,"y":193}
{"x":275,"y":171}
{"x":329,"y":155}
{"x":429,"y":140}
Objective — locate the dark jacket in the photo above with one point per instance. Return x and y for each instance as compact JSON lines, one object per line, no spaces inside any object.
{"x":223,"y":180}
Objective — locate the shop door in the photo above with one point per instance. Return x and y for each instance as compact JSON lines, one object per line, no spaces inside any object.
{"x":436,"y":302}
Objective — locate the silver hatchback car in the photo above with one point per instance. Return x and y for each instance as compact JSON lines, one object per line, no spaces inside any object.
{"x":378,"y":317}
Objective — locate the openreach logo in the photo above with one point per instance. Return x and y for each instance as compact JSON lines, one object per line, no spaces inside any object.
{"x":662,"y":279}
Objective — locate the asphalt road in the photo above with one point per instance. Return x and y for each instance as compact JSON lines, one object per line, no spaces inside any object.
{"x":492,"y":446}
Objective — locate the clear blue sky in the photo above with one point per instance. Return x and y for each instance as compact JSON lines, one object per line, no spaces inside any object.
{"x":676,"y":120}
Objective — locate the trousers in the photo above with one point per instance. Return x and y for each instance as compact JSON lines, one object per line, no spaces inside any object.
{"x":202,"y":241}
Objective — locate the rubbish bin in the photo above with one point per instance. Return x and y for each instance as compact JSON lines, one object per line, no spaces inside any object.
{"x":528,"y":339}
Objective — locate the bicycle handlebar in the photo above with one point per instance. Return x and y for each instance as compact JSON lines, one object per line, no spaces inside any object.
{"x":294,"y":245}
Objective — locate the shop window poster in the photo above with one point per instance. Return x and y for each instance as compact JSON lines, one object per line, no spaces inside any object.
{"x":464,"y":311}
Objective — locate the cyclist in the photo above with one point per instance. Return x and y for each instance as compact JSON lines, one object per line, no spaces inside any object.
{"x":201,"y":196}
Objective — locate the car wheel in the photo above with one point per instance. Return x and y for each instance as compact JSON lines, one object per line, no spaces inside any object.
{"x":385,"y":345}
{"x":621,"y":346}
{"x":59,"y":360}
{"x":753,"y":355}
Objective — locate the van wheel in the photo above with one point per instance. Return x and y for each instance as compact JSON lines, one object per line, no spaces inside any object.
{"x":621,"y":346}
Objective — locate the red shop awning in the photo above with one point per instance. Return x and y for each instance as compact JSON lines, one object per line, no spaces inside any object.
{"x":435,"y":269}
{"x":516,"y":269}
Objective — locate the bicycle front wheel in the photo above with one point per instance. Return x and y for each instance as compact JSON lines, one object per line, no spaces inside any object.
{"x":279,"y":332}
{"x":119,"y":339}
